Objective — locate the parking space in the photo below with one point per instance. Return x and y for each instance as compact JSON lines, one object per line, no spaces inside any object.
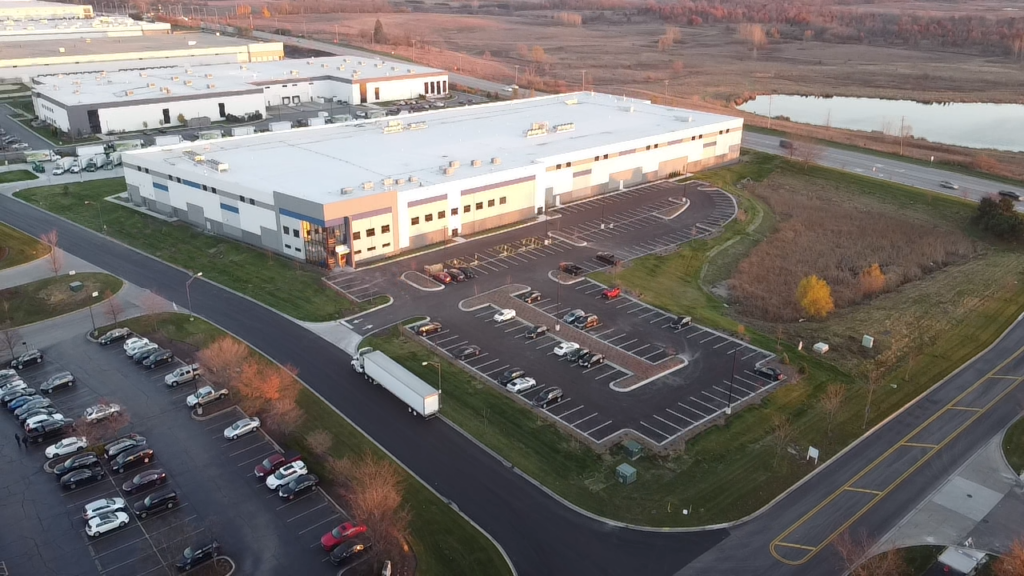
{"x":359,"y":287}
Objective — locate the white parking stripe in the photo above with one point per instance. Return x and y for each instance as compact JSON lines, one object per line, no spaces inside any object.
{"x":713,"y":409}
{"x":722,"y":344}
{"x":667,"y":422}
{"x":673,"y":412}
{"x":319,"y":523}
{"x":751,"y":354}
{"x":635,"y":350}
{"x":653,"y":428}
{"x":692,"y":409}
{"x":584,"y":419}
{"x":712,"y":337}
{"x":566,"y":413}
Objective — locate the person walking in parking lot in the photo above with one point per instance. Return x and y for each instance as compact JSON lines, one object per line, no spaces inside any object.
{"x":17,"y":438}
{"x":24,"y":440}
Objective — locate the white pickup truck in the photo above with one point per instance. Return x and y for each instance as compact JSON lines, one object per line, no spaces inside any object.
{"x":182,"y":375}
{"x":204,"y":396}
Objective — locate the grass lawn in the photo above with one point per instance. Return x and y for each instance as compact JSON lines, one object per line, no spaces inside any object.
{"x":1013,"y":446}
{"x":285,"y":285}
{"x":18,"y":248}
{"x":51,"y":297}
{"x":445,"y":544}
{"x":16,"y":176}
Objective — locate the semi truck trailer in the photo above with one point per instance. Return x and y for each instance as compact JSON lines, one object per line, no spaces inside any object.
{"x":421,"y":398}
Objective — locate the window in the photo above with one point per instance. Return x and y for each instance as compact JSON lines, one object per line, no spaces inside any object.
{"x":416,"y":221}
{"x":465,"y":209}
{"x":490,"y":203}
{"x":428,"y":218}
{"x":479,"y":205}
{"x":648,"y":146}
{"x":701,"y":137}
{"x":455,"y":211}
{"x":371,"y":248}
{"x":605,"y":156}
{"x":295,"y":232}
{"x":214,"y":190}
{"x":692,"y":138}
{"x":376,"y":93}
{"x":356,"y":235}
{"x":252,"y":202}
{"x":440,"y":214}
{"x":568,"y":164}
{"x":147,"y":170}
{"x":502,"y":200}
{"x":370,"y":232}
{"x":388,"y":245}
{"x":727,"y":130}
{"x":178,"y":180}
{"x":385,"y":229}
{"x":558,"y":167}
{"x":720,"y":132}
{"x":357,"y":252}
{"x":288,"y":246}
{"x":204,"y":188}
{"x":597,"y":158}
{"x":241,"y":199}
{"x":286,"y":232}
{"x":655,"y":146}
{"x":298,"y":249}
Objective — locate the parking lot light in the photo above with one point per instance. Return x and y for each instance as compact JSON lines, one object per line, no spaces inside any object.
{"x":438,"y":364}
{"x":188,"y":295}
{"x":91,"y":317}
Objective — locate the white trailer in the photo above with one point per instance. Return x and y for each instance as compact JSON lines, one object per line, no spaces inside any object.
{"x":90,"y":150}
{"x":167,"y":140}
{"x":243,"y":130}
{"x":280,"y":126}
{"x":421,"y":398}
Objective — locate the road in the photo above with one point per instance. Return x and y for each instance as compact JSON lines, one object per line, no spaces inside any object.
{"x":908,"y":173}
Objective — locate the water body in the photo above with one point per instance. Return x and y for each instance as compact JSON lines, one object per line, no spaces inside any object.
{"x":977,"y":125}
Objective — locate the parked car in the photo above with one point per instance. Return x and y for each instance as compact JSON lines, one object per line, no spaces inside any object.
{"x":81,"y":477}
{"x":57,"y":382}
{"x":349,"y":552}
{"x":583,"y":356}
{"x":132,"y":457}
{"x":504,"y":315}
{"x":340,"y":535}
{"x":105,"y":523}
{"x":144,"y":480}
{"x":241,"y":428}
{"x":103,"y":506}
{"x":442,"y":277}
{"x":24,"y":417}
{"x":20,"y":401}
{"x":68,"y":445}
{"x":11,"y":395}
{"x":37,"y":417}
{"x":140,"y":347}
{"x":146,"y":352}
{"x":83,"y":460}
{"x":571,"y":316}
{"x":13,"y":384}
{"x":100,"y":411}
{"x":204,"y":396}
{"x":611,"y":293}
{"x":510,"y":375}
{"x":785,"y":144}
{"x":592,"y":360}
{"x":548,"y":396}
{"x":113,"y":336}
{"x":133,"y":342}
{"x":428,"y":328}
{"x":159,"y":500}
{"x":297,"y":486}
{"x":182,"y":375}
{"x":158,"y":358}
{"x":536,"y":331}
{"x":521,"y":384}
{"x":49,"y":429}
{"x":531,"y":297}
{"x":467,"y":352}
{"x":8,"y":375}
{"x":606,"y":258}
{"x":570,"y":268}
{"x":456,"y":275}
{"x":565,"y":347}
{"x":115,"y":448}
{"x":1011,"y":195}
{"x":588,"y":321}
{"x":274,"y":462}
{"x":949,"y":185}
{"x":196,"y":555}
{"x":770,"y":373}
{"x":467,"y":272}
{"x":680,"y":322}
{"x":286,"y":474}
{"x":32,"y":405}
{"x":573,"y":355}
{"x":30,"y":358}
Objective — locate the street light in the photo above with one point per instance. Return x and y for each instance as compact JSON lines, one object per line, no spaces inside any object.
{"x":732,"y":379}
{"x":438,"y":364}
{"x":91,"y":317}
{"x":99,"y":210}
{"x":189,"y":295}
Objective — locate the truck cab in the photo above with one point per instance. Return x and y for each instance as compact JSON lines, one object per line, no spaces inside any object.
{"x":182,"y":375}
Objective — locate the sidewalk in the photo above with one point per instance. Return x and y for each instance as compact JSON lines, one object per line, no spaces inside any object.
{"x":40,"y":270}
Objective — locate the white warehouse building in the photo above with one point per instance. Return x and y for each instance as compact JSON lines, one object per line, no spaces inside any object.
{"x":132,"y":100}
{"x":336,"y":195}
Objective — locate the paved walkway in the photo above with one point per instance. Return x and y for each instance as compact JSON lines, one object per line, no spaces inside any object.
{"x":41,"y":269}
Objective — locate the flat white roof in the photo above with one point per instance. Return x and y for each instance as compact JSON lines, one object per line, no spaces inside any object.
{"x":130,"y":85}
{"x":21,"y":30}
{"x":317,"y":163}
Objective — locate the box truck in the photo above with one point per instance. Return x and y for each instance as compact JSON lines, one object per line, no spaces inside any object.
{"x":90,"y":150}
{"x":421,"y":398}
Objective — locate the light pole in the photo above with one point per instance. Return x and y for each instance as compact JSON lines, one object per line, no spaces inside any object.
{"x":438,"y":364}
{"x":99,"y":210}
{"x":189,"y":295}
{"x":91,"y":317}
{"x":583,"y":82}
{"x":517,"y":75}
{"x":732,"y":379}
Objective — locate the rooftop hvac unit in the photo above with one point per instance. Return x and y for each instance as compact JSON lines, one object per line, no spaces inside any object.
{"x":243,"y":67}
{"x":348,"y":190}
{"x":367,"y":185}
{"x":209,"y":76}
{"x":475,"y":163}
{"x":379,"y":65}
{"x":393,"y":127}
{"x":188,"y":82}
{"x":342,"y":67}
{"x":567,"y":127}
{"x":388,"y":181}
{"x":216,"y":165}
{"x":294,"y":72}
{"x":78,"y":91}
{"x":394,"y":68}
{"x":400,"y":181}
{"x":417,"y":125}
{"x":448,"y":171}
{"x":198,"y":158}
{"x":60,"y":50}
{"x":414,"y":179}
{"x":211,"y":86}
{"x":143,"y":75}
{"x":362,"y":63}
{"x":325,"y":65}
{"x":410,"y":70}
{"x":572,"y":102}
{"x":496,"y":160}
{"x":348,"y":59}
{"x":309,"y":62}
{"x":129,"y":92}
{"x":188,"y":70}
{"x":175,"y":78}
{"x":76,"y":82}
{"x":454,"y":164}
{"x":151,"y":85}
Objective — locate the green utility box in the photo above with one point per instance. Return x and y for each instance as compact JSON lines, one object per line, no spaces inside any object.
{"x":76,"y":286}
{"x":633,"y":449}
{"x":625,"y":474}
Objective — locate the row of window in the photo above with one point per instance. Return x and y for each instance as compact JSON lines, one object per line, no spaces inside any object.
{"x":297,"y":248}
{"x":372,"y":248}
{"x":371,"y":232}
{"x":294,"y":232}
{"x":655,"y":146}
{"x":455,"y":211}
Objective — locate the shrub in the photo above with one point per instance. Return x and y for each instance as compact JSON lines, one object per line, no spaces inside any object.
{"x":815,"y":297}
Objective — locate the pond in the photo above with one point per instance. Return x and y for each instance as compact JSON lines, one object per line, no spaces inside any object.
{"x":972,"y":125}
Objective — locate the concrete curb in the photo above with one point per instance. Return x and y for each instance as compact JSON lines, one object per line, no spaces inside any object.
{"x":199,"y":418}
{"x":357,"y":315}
{"x":555,"y":275}
{"x":23,"y":264}
{"x":674,"y":211}
{"x":512,"y":289}
{"x":438,"y":286}
{"x":649,"y":380}
{"x":230,"y":561}
{"x":1002,"y":452}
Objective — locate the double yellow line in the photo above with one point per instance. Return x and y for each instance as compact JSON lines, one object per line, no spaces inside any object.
{"x":780,"y":542}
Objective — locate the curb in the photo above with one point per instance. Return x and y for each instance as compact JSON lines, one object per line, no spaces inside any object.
{"x":436,"y":288}
{"x":198,"y":418}
{"x":374,"y":309}
{"x":512,"y":289}
{"x":114,"y":295}
{"x":554,"y":276}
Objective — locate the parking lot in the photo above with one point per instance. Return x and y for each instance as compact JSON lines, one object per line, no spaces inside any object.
{"x":219,"y":497}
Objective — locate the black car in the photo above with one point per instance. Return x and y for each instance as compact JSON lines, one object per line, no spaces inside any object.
{"x":144,"y":480}
{"x":132,"y":457}
{"x":428,"y":328}
{"x":197,"y":554}
{"x":83,"y":460}
{"x":159,"y":358}
{"x":548,"y":396}
{"x":573,"y":315}
{"x":348,"y":552}
{"x":456,"y":275}
{"x":592,"y":360}
{"x":81,"y":477}
{"x":27,"y":359}
{"x":1010,"y":194}
{"x":114,"y":335}
{"x":536,"y":331}
{"x":571,"y":269}
{"x":575,"y":354}
{"x":301,"y":484}
{"x":680,"y":322}
{"x":531,"y":297}
{"x":160,"y":500}
{"x":122,"y":444}
{"x":583,"y":357}
{"x":510,"y":375}
{"x":467,"y":352}
{"x":606,"y":258}
{"x":32,"y":405}
{"x":49,"y":429}
{"x":585,"y":321}
{"x":141,"y":356}
{"x":58,"y":381}
{"x":12,"y":395}
{"x":770,"y":373}
{"x":467,"y":272}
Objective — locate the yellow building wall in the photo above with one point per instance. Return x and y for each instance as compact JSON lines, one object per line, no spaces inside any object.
{"x":378,"y":244}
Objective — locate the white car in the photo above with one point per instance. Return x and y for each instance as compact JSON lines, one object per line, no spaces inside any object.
{"x":510,"y":88}
{"x":138,"y":347}
{"x":504,"y":315}
{"x":13,"y":385}
{"x":949,"y":185}
{"x":68,"y":445}
{"x":37,"y":420}
{"x":100,"y":411}
{"x":134,"y":342}
{"x":105,"y":523}
{"x":145,"y":348}
{"x":286,"y":474}
{"x":241,"y":428}
{"x":521,"y":384}
{"x":565,"y":347}
{"x":101,"y":507}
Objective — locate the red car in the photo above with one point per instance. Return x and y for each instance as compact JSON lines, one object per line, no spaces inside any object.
{"x":443,"y":278}
{"x":340,"y":535}
{"x":274,"y":462}
{"x":611,"y":293}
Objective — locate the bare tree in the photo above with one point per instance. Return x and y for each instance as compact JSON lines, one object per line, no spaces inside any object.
{"x":854,"y":553}
{"x":113,"y":307}
{"x":374,"y":495}
{"x":152,"y":304}
{"x":1011,"y":563}
{"x":56,"y":256}
{"x":832,"y":403}
{"x":781,"y":434}
{"x":753,"y":33}
{"x":807,"y":152}
{"x":875,"y":379}
{"x":319,"y":441}
{"x":106,"y":429}
{"x":10,"y":337}
{"x":223,"y":359}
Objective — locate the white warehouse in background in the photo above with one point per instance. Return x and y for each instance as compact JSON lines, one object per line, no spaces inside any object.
{"x":132,"y":100}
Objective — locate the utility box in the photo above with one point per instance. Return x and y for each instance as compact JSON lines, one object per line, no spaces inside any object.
{"x":633,"y":449}
{"x":76,"y":286}
{"x":821,"y":347}
{"x":625,"y":474}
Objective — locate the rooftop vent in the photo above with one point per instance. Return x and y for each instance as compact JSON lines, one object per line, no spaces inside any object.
{"x":567,"y":127}
{"x":454,"y":164}
{"x":348,"y":190}
{"x":496,"y":160}
{"x":475,"y":163}
{"x":448,"y":171}
{"x":417,"y":125}
{"x":367,"y":185}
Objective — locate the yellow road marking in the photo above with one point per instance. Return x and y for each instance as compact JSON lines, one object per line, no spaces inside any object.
{"x":1007,"y":377}
{"x":918,"y":445}
{"x":880,"y":459}
{"x":800,"y":546}
{"x":865,"y":490}
{"x":968,"y":408}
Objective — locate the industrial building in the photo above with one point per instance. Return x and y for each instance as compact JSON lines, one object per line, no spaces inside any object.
{"x":341,"y":194}
{"x":139,"y":99}
{"x":35,"y":10}
{"x":60,"y":30}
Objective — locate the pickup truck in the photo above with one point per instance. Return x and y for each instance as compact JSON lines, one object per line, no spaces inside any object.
{"x":182,"y":375}
{"x":204,"y":396}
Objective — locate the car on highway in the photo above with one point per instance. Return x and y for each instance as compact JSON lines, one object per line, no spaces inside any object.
{"x":548,"y":396}
{"x":531,"y":297}
{"x":58,"y":381}
{"x":103,"y":506}
{"x":66,"y":446}
{"x":428,"y":328}
{"x":510,"y":375}
{"x":770,"y":373}
{"x":274,"y":462}
{"x":241,"y":428}
{"x":105,"y":523}
{"x":442,"y":277}
{"x":204,"y":396}
{"x":564,"y":348}
{"x":132,"y":457}
{"x":592,"y":360}
{"x":786,"y":144}
{"x":160,"y":500}
{"x":30,"y":358}
{"x":343,"y":533}
{"x":456,"y":275}
{"x":572,"y":315}
{"x":680,"y":322}
{"x":535,"y":332}
{"x":114,"y":448}
{"x":520,"y":385}
{"x":83,"y":460}
{"x":504,"y":315}
{"x":197,"y":554}
{"x":114,"y":335}
{"x":949,"y":185}
{"x":11,"y":395}
{"x":286,"y":474}
{"x":348,"y":553}
{"x":144,"y":480}
{"x":158,"y":358}
{"x":467,"y":352}
{"x":606,"y":258}
{"x":1015,"y":196}
{"x":303,"y":483}
{"x":510,"y":88}
{"x":100,"y":412}
{"x":81,"y":477}
{"x":611,"y":293}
